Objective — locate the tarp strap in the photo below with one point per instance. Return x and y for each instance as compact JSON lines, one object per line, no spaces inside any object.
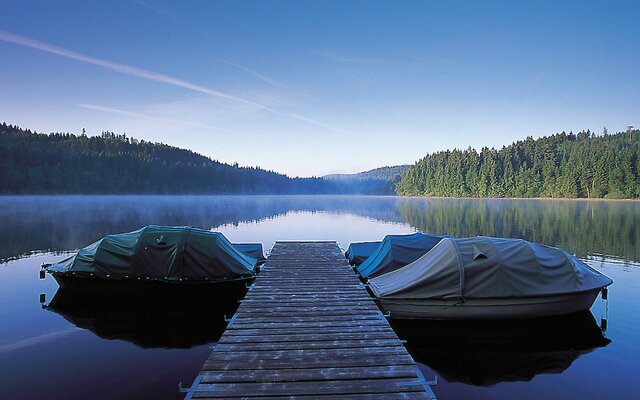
{"x":179,"y":267}
{"x":460,"y":270}
{"x":135,"y":251}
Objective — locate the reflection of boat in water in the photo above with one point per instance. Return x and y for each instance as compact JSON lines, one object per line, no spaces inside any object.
{"x":489,"y":278}
{"x":148,"y":323}
{"x":171,"y":260}
{"x":484,"y":353}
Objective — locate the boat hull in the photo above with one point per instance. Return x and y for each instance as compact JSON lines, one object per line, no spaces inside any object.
{"x":496,"y":308}
{"x":136,"y":287}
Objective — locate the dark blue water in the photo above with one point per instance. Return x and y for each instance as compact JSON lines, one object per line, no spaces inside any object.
{"x":82,"y":349}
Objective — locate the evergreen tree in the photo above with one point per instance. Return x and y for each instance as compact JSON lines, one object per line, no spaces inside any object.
{"x":560,"y":165}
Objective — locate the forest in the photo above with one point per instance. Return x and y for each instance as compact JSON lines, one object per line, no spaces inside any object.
{"x":64,"y":163}
{"x":564,"y":165}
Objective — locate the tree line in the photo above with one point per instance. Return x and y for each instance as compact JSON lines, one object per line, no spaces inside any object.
{"x":564,"y":165}
{"x":64,"y":163}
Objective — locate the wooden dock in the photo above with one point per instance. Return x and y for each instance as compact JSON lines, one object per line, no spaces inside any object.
{"x":308,"y":328}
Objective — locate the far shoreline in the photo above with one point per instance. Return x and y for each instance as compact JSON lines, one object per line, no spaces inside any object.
{"x":523,"y":198}
{"x":601,"y":199}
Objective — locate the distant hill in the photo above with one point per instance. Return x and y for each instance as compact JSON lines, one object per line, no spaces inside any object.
{"x":64,"y":163}
{"x":393,"y":174}
{"x":561,"y":165}
{"x":381,"y":181}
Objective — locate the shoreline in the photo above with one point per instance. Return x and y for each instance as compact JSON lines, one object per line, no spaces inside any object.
{"x":523,"y":198}
{"x":307,"y":195}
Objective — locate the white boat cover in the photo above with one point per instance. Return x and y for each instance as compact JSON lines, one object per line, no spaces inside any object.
{"x":484,"y":267}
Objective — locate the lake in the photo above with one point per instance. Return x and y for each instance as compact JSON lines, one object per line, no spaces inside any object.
{"x":79,"y":349}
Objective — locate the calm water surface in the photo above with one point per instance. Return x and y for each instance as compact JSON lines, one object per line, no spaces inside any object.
{"x":74,"y":348}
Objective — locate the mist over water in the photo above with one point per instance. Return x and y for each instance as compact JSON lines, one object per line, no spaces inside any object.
{"x":126,"y":350}
{"x":60,"y":223}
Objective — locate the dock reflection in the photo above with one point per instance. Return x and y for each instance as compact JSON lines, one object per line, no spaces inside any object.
{"x":484,"y":353}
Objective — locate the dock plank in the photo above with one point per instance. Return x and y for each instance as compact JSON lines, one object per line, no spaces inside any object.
{"x":316,"y":374}
{"x":387,"y":396}
{"x":307,"y":345}
{"x":324,"y":336}
{"x":363,"y":386}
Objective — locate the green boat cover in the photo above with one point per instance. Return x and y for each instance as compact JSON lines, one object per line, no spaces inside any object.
{"x":252,"y":249}
{"x":161,"y":252}
{"x":360,"y":251}
{"x":396,"y":251}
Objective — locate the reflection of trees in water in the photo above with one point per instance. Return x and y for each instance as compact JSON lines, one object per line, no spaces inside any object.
{"x":62,"y":223}
{"x":69,"y":222}
{"x":582,"y":227}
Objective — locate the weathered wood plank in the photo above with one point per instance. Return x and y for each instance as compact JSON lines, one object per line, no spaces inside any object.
{"x":253,"y":307}
{"x":370,"y":386}
{"x":258,"y":316}
{"x":311,"y":374}
{"x":335,"y":310}
{"x":341,"y":285}
{"x":308,"y":345}
{"x":387,"y":396}
{"x":310,"y":297}
{"x":318,"y":289}
{"x":290,"y":318}
{"x":306,"y":330}
{"x":305,"y":354}
{"x":244,"y":318}
{"x":224,"y":365}
{"x":324,"y":336}
{"x":308,"y":325}
{"x":285,"y":306}
{"x":363,"y":295}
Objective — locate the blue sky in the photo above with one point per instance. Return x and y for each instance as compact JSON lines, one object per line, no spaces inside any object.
{"x":310,"y":88}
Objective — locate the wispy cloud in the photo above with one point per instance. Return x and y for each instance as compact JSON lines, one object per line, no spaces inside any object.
{"x":134,"y":114}
{"x":114,"y":66}
{"x":255,"y":74}
{"x":148,"y":75}
{"x":165,"y":12}
{"x":346,"y":58}
{"x":158,"y":9}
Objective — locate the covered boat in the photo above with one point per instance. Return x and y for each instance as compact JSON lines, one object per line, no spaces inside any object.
{"x":396,"y":251}
{"x":489,"y":278}
{"x":180,"y":259}
{"x":253,"y":250}
{"x":360,"y":251}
